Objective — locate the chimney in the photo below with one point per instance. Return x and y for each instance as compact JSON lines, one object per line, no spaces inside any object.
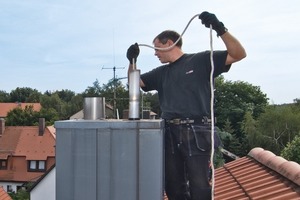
{"x":2,"y":126}
{"x":41,"y":126}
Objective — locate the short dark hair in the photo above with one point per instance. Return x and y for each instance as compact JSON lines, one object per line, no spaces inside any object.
{"x":164,"y":36}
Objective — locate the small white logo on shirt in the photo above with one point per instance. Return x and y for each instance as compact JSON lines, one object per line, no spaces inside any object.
{"x":189,"y":72}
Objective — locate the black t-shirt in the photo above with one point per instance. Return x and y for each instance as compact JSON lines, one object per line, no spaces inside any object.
{"x":184,"y":86}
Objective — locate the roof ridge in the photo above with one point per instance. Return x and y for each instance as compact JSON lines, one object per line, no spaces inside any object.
{"x":289,"y":169}
{"x":52,"y":131}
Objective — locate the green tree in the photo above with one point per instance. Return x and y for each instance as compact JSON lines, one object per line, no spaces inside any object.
{"x":227,"y":127}
{"x":232,"y":144}
{"x":69,"y":103}
{"x":151,"y":99}
{"x":93,"y":91}
{"x":250,"y":129}
{"x":75,"y":104}
{"x":25,"y":95}
{"x":53,"y":101}
{"x":20,"y":195}
{"x":296,"y":105}
{"x":292,"y":150}
{"x":64,"y":102}
{"x":114,"y":90}
{"x":65,"y":95}
{"x":50,"y":115}
{"x":20,"y":117}
{"x":278,"y":125}
{"x":218,"y":158}
{"x":234,"y":99}
{"x":4,"y":96}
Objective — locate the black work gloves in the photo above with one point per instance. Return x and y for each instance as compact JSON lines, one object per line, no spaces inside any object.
{"x":211,"y":19}
{"x":132,"y":53}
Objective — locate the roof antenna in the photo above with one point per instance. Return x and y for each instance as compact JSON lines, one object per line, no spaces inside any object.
{"x":114,"y":77}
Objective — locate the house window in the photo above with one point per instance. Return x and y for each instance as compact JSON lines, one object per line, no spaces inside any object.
{"x":36,"y":165}
{"x":9,"y":188}
{"x":3,"y":164}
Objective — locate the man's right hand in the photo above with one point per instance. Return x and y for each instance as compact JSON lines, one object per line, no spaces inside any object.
{"x":132,"y":53}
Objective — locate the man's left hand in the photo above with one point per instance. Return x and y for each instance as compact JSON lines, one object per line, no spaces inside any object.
{"x":211,"y":19}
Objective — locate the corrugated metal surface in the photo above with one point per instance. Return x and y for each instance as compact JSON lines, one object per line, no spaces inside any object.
{"x":109,"y":160}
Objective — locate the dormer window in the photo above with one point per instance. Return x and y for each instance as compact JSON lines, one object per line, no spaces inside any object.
{"x":3,"y":164}
{"x":36,"y":165}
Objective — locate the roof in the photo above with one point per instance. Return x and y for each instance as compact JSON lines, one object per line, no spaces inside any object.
{"x":21,"y":143}
{"x":25,"y":141}
{"x":4,"y":195}
{"x":6,"y":107}
{"x":259,"y":175}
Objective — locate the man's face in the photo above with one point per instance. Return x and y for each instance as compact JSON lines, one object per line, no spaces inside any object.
{"x":162,"y":55}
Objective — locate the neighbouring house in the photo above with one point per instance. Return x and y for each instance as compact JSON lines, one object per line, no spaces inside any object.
{"x":148,"y":114}
{"x":44,"y":187}
{"x":26,"y":153}
{"x":7,"y":107}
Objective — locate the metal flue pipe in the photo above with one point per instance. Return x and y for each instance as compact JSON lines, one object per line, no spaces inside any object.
{"x":134,"y":94}
{"x":94,"y":108}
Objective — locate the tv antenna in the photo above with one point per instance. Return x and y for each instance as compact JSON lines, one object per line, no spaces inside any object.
{"x":114,"y":83}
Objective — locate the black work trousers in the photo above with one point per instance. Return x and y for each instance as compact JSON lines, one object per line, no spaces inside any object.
{"x":187,"y":157}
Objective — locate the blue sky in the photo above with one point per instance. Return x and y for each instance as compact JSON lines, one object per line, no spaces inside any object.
{"x":55,"y":45}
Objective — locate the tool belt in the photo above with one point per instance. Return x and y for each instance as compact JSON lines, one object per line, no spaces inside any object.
{"x":203,"y":120}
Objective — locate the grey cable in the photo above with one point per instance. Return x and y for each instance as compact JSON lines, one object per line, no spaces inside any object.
{"x":170,"y":47}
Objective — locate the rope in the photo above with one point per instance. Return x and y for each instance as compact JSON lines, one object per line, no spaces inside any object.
{"x":170,"y":47}
{"x":212,"y":114}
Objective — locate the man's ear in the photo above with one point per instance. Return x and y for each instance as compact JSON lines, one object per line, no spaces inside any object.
{"x":170,"y":42}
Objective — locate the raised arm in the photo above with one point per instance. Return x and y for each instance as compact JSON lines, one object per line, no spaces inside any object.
{"x":234,"y":48}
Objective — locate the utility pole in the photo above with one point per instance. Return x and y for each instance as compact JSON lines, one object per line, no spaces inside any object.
{"x":114,"y":82}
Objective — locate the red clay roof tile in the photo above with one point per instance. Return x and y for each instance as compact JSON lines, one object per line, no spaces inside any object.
{"x":24,"y":143}
{"x":260,"y":175}
{"x":6,"y":107}
{"x":4,"y":195}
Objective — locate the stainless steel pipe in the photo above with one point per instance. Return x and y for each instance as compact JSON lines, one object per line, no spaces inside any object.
{"x":94,"y":108}
{"x":134,"y":95}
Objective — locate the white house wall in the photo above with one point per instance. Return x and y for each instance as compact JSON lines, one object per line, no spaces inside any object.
{"x":12,"y":185}
{"x":45,"y":189}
